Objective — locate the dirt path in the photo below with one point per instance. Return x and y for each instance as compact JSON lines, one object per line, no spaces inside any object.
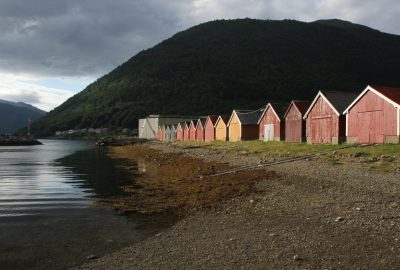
{"x":304,"y":215}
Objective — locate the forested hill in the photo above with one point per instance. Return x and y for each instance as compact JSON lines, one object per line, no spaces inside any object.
{"x":15,"y":115}
{"x":221,"y":65}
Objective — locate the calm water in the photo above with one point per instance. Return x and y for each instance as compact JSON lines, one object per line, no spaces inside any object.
{"x":32,"y":181}
{"x":46,"y":216}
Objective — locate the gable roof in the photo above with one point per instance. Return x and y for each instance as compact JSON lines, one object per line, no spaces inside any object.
{"x":390,"y":94}
{"x":187,"y":124}
{"x":279,"y":110}
{"x":337,"y":100}
{"x":223,"y":118}
{"x":201,"y":121}
{"x":247,"y":117}
{"x":181,"y":125}
{"x":301,"y":105}
{"x":194,"y":123}
{"x":211,"y":118}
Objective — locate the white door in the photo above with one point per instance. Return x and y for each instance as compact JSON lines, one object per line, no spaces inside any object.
{"x":269,"y":132}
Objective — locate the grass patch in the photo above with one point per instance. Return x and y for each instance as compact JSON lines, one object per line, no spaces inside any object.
{"x":391,"y":152}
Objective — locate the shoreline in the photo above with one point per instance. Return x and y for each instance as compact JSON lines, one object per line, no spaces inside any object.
{"x":307,"y":214}
{"x":18,"y":141}
{"x":169,"y":182}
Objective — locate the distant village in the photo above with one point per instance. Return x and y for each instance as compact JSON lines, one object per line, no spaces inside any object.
{"x":372,"y":116}
{"x":81,"y":131}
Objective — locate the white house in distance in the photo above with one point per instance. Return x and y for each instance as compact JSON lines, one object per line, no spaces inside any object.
{"x":148,"y":126}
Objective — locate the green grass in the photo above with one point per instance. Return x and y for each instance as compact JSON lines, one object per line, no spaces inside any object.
{"x":283,"y":149}
{"x":390,"y":150}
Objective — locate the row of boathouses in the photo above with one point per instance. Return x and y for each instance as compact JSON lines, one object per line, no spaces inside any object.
{"x":372,"y":116}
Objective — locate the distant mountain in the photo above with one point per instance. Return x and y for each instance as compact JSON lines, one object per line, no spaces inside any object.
{"x":15,"y":115}
{"x":218,"y":66}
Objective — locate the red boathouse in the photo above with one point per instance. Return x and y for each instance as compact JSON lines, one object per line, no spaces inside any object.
{"x":374,"y":116}
{"x":186,"y":126}
{"x":209,"y":128}
{"x":271,"y":124}
{"x":200,"y":128}
{"x":192,"y":130}
{"x":295,"y":125}
{"x":325,"y":123}
{"x":179,"y":131}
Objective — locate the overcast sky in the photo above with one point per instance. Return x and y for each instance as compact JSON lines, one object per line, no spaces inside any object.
{"x":51,"y":49}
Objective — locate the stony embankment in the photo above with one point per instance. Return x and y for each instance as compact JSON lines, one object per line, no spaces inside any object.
{"x":310,"y":214}
{"x":17,"y":140}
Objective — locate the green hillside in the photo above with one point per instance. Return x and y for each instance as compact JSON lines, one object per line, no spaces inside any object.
{"x":221,"y":65}
{"x":15,"y":115}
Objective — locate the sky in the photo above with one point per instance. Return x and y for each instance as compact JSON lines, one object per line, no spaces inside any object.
{"x":52,"y":49}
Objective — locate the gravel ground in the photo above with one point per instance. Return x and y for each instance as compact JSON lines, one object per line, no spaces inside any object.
{"x":313,"y":214}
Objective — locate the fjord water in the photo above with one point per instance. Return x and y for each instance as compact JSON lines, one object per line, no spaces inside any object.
{"x":32,"y":182}
{"x":47,"y":218}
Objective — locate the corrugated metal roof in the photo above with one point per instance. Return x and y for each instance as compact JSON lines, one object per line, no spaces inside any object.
{"x":213,"y":119}
{"x":202,"y":121}
{"x":391,"y":93}
{"x":172,"y":116}
{"x":249,"y":117}
{"x":302,"y":105}
{"x":279,"y":108}
{"x":340,"y":100}
{"x":225,"y":118}
{"x":194,"y":123}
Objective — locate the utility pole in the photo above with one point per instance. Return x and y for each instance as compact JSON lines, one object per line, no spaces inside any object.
{"x":29,"y":127}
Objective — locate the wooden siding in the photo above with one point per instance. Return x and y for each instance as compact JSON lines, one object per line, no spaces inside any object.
{"x":209,"y":131}
{"x":221,"y":131}
{"x":200,"y":133}
{"x":234,"y":129}
{"x":270,"y":118}
{"x":186,"y":133}
{"x":179,"y":133}
{"x":323,"y":123}
{"x":371,"y":119}
{"x":160,"y":134}
{"x":295,"y":126}
{"x":192,"y":132}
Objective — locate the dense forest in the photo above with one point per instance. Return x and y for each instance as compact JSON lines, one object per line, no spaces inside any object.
{"x":222,"y":65}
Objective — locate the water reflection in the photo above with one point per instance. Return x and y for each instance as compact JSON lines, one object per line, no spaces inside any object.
{"x":46,"y":193}
{"x":98,"y":173}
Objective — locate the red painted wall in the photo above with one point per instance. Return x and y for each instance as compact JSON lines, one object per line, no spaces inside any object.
{"x":270,"y":118}
{"x":323,"y":123}
{"x":295,"y":126}
{"x":179,"y":133}
{"x":192,"y":133}
{"x":371,"y":119}
{"x":200,"y":133}
{"x":186,"y":133}
{"x":160,"y":135}
{"x":209,"y":131}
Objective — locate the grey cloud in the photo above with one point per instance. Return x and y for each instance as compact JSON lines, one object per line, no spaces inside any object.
{"x":83,"y":38}
{"x":29,"y":97}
